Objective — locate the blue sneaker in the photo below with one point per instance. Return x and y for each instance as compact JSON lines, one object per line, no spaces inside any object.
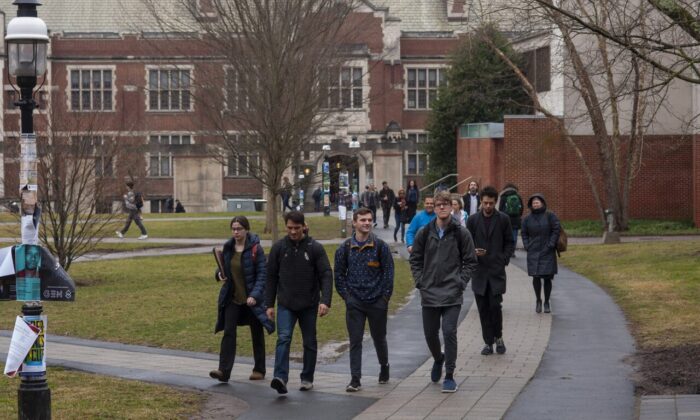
{"x":449,"y":386}
{"x":436,"y":373}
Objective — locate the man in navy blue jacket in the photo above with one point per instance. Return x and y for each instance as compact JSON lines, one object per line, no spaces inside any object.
{"x":364,"y":278}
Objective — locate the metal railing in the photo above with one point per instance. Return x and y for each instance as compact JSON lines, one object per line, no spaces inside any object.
{"x":439,"y":180}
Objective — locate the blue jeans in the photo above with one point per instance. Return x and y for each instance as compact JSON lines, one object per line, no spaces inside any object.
{"x":515,"y":238}
{"x":286,"y":319}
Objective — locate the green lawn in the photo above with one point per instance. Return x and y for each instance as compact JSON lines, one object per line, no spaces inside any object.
{"x":76,"y":395}
{"x":637,"y":227}
{"x":123,"y":246}
{"x":656,"y":284}
{"x":166,"y":302}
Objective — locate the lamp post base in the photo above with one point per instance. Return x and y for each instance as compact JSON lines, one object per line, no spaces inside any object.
{"x":34,"y":398}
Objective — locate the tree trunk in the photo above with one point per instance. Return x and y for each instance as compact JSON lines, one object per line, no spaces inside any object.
{"x":271,"y":214}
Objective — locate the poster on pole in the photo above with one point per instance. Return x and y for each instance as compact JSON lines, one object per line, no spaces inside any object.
{"x":27,"y":263}
{"x":55,"y":283}
{"x":24,"y":336}
{"x":35,"y":362}
{"x":326,"y":184}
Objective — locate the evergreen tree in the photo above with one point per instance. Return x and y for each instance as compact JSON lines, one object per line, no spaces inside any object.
{"x":480,"y":88}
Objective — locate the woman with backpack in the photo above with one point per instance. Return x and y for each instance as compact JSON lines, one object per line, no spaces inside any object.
{"x":241,"y":298}
{"x":510,"y":203}
{"x":540,"y":233}
{"x":412,"y":199}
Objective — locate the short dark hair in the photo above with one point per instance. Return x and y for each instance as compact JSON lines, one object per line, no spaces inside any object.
{"x":489,"y":191}
{"x":242,"y":220}
{"x":130,"y":184}
{"x":295,"y":216}
{"x":359,"y":212}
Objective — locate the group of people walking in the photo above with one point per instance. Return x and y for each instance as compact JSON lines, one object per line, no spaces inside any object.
{"x":452,"y":241}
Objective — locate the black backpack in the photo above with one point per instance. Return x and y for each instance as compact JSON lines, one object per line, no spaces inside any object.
{"x":138,"y":200}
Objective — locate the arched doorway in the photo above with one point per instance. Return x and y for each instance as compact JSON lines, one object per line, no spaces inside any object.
{"x":344,"y":174}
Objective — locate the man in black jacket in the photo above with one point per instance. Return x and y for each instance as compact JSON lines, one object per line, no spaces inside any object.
{"x":299,"y":277}
{"x":442,"y":262}
{"x":493,"y":239}
{"x":386,"y":197}
{"x":472,"y":199}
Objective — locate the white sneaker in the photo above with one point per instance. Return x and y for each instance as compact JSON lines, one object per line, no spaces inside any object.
{"x":143,"y":237}
{"x":119,"y":234}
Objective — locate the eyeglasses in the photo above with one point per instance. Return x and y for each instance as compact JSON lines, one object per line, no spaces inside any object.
{"x":440,"y":205}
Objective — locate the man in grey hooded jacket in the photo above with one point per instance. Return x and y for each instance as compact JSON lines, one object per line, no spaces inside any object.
{"x":442,"y":262}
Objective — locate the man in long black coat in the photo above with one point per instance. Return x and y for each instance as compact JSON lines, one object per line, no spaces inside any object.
{"x":493,"y":239}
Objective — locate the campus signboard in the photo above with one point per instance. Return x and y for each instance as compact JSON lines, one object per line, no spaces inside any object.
{"x":19,"y":279}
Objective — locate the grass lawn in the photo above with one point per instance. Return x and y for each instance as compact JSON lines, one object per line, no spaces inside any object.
{"x":656,"y":284}
{"x":167,"y":301}
{"x":637,"y":227}
{"x":76,"y":395}
{"x":105,"y":247}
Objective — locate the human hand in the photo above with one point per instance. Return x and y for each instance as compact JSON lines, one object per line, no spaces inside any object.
{"x":270,"y":314}
{"x":410,"y":249}
{"x":323,"y":309}
{"x":251,"y":301}
{"x":221,"y":277}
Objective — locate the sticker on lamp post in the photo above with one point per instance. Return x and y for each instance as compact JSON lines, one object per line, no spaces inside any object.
{"x":35,"y":362}
{"x":27,"y":263}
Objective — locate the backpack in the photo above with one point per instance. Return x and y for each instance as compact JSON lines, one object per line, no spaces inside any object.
{"x":424,"y":231}
{"x":562,"y":242}
{"x":514,"y":206}
{"x":138,"y":200}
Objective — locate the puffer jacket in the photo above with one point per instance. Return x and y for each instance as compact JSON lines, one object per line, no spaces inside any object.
{"x":255,"y":276}
{"x":540,"y":234}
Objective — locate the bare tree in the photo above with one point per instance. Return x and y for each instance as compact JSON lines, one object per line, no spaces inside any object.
{"x":81,"y":169}
{"x":267,"y":88}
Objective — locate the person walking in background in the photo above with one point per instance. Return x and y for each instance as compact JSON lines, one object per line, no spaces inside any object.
{"x":133,"y":202}
{"x":316,"y":195}
{"x":510,"y":203}
{"x":420,"y":220}
{"x":300,"y":280}
{"x":471,"y":199}
{"x":540,"y":232}
{"x":286,"y":194}
{"x":179,"y":208}
{"x":242,"y":299}
{"x":386,"y":198}
{"x":442,"y":263}
{"x":494,"y":245}
{"x":412,"y":198}
{"x":400,"y":214}
{"x":364,"y":278}
{"x":457,"y":212}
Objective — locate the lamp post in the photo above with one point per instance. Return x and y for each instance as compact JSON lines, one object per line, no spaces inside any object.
{"x":326,"y":182}
{"x":344,"y":228}
{"x":27,"y":41}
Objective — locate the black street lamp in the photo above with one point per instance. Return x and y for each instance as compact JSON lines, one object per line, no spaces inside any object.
{"x":27,"y":41}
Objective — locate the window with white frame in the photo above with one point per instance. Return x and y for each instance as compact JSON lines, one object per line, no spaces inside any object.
{"x":160,"y":164}
{"x":344,"y":88}
{"x":417,"y":137}
{"x":242,"y":164}
{"x":416,"y":163}
{"x":169,"y":90}
{"x":238,"y":89}
{"x":92,"y":147}
{"x":91,"y":90}
{"x":175,"y":139}
{"x":537,"y":68}
{"x":422,"y":86}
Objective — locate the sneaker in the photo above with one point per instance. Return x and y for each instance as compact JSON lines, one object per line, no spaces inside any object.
{"x":449,"y":386}
{"x":354,"y":385}
{"x":500,"y":346}
{"x":547,"y":308}
{"x":384,"y":374}
{"x":436,"y":372}
{"x":488,"y":349}
{"x":306,"y":386}
{"x":143,"y":237}
{"x":256,"y":376}
{"x":219,"y":375}
{"x":278,"y":385}
{"x":119,"y":234}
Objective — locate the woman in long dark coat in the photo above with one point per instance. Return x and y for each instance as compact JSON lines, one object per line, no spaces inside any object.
{"x":540,"y":232}
{"x":241,"y":299}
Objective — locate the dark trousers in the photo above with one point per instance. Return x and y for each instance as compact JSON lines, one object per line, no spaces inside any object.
{"x":399,"y":226}
{"x":537,"y":285}
{"x":432,"y":318}
{"x":386,"y":212}
{"x":374,"y":213}
{"x":490,"y":315}
{"x":375,"y":314}
{"x":286,"y":319}
{"x":134,"y":215}
{"x":232,"y":314}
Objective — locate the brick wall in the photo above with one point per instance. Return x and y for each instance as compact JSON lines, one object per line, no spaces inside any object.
{"x":696,"y":178}
{"x":535,"y":158}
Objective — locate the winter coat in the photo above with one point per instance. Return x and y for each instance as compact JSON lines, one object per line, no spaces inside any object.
{"x":498,"y":243}
{"x":389,"y":195}
{"x":466,"y":200}
{"x":421,"y":219}
{"x":297,"y":274}
{"x":365,"y":272}
{"x":401,"y":211}
{"x":255,"y":274}
{"x":441,"y":270}
{"x":514,"y":220}
{"x":540,"y":234}
{"x":412,"y":196}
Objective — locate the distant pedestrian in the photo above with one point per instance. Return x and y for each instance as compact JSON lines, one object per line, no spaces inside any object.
{"x":472,"y":199}
{"x":387,"y":198}
{"x":241,"y":299}
{"x":355,"y":200}
{"x":442,"y":263}
{"x":364,"y":278}
{"x":286,"y":194}
{"x":541,"y":229}
{"x":400,"y":214}
{"x":369,"y":199}
{"x":494,"y":245}
{"x":412,"y":198}
{"x":133,"y":202}
{"x":420,"y":220}
{"x":316,"y":195}
{"x":510,"y":203}
{"x":300,"y":280}
{"x":179,"y":208}
{"x":457,"y":212}
{"x":169,"y":205}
